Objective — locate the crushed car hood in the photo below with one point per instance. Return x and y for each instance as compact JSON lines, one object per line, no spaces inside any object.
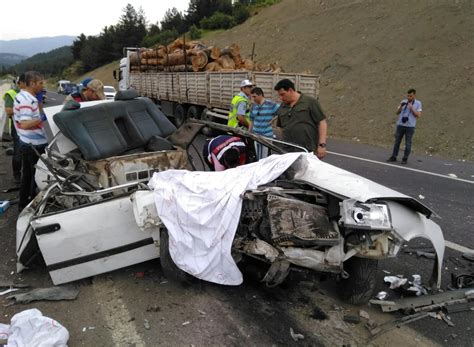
{"x":348,"y":185}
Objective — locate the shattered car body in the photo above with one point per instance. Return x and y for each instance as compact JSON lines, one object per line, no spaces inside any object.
{"x":95,"y":213}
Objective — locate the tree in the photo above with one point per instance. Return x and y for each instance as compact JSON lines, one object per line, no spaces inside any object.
{"x":131,"y":28}
{"x":199,"y":9}
{"x":173,"y":19}
{"x":77,"y":46}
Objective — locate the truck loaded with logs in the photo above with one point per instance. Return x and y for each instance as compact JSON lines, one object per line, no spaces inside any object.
{"x":192,"y":80}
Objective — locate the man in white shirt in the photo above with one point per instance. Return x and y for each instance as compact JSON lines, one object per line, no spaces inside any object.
{"x":29,"y":123}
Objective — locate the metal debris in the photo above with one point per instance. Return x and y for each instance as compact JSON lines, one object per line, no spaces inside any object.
{"x":351,"y":319}
{"x":428,"y":302}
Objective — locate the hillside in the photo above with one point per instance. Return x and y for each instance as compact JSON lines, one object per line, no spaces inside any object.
{"x":29,"y":47}
{"x":103,"y":73}
{"x":368,"y":54}
{"x":9,"y":59}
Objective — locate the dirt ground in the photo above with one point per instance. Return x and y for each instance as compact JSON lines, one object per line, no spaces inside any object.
{"x":368,"y":54}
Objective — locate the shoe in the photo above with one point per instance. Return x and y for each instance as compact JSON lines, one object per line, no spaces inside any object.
{"x":404,"y":160}
{"x":391,"y":159}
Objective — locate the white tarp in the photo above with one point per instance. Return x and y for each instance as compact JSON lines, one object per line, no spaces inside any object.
{"x":201,"y":211}
{"x":30,"y":328}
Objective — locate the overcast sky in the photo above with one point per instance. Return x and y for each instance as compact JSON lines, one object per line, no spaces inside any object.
{"x":73,"y":17}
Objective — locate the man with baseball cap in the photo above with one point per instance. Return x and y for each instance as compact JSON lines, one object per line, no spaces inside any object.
{"x":92,"y":90}
{"x":239,"y":107}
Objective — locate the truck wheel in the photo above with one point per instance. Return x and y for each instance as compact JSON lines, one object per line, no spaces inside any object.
{"x":170,"y":270}
{"x":193,"y":112}
{"x":179,"y":115}
{"x":205,"y":116}
{"x":359,"y":287}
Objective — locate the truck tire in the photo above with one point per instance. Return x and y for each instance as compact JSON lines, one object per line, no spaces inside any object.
{"x":170,"y":270}
{"x":194,"y":112}
{"x":205,"y":116}
{"x":179,"y":115}
{"x":359,"y":287}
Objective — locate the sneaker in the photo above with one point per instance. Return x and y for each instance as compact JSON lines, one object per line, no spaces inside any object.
{"x":391,"y":159}
{"x":404,"y":160}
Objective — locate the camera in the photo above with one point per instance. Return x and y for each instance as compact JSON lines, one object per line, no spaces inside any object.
{"x":404,"y":119}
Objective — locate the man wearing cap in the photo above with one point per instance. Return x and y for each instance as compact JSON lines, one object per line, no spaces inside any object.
{"x":239,"y":106}
{"x":92,"y":90}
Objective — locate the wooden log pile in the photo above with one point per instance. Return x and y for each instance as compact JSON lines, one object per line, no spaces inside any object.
{"x":194,"y":56}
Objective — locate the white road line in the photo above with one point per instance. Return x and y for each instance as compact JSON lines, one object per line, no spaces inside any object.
{"x":404,"y":168}
{"x":457,"y":247}
{"x":118,"y":319}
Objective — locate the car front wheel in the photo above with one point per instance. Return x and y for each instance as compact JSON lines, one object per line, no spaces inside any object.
{"x":358,"y":288}
{"x":170,"y":270}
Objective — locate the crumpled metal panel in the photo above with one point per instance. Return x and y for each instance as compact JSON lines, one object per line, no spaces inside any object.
{"x":120,"y":170}
{"x":295,"y":222}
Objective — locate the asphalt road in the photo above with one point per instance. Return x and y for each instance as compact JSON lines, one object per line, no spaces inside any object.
{"x":117,"y":308}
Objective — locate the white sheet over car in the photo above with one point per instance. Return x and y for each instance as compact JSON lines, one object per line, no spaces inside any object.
{"x":201,"y":211}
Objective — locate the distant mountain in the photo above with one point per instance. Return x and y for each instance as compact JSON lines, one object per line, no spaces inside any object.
{"x":36,"y":45}
{"x":50,"y":63}
{"x":9,"y":59}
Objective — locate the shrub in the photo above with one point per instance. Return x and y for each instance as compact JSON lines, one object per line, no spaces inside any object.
{"x":194,"y":32}
{"x":240,"y":13}
{"x":218,"y":20}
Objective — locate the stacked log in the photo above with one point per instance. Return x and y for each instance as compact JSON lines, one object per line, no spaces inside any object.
{"x":194,"y":56}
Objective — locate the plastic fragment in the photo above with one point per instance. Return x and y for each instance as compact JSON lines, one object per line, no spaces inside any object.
{"x":395,"y":282}
{"x":296,"y":336}
{"x":381,"y":295}
{"x":364,"y":314}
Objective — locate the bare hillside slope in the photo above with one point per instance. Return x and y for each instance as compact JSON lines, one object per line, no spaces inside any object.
{"x":368,"y":54}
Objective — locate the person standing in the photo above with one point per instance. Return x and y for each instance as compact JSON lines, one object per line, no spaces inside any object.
{"x":9,"y":99}
{"x":408,"y":111}
{"x":301,"y":119}
{"x":92,"y":90}
{"x":239,"y":106}
{"x":261,"y":115}
{"x":32,"y":137}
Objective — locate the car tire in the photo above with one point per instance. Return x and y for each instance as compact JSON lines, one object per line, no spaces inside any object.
{"x":170,"y":270}
{"x":359,"y":287}
{"x":179,"y":115}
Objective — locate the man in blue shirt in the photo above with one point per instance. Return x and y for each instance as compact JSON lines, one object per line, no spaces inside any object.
{"x":408,"y":111}
{"x":261,"y":115}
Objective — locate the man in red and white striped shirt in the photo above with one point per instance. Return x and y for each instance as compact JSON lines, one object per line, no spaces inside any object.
{"x":29,"y":126}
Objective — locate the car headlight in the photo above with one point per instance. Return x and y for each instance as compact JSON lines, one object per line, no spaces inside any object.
{"x":358,"y":215}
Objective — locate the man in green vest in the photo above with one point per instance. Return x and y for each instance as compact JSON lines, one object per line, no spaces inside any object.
{"x":9,"y":98}
{"x":239,"y":107}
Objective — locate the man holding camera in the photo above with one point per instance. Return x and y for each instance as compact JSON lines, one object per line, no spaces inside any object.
{"x":408,"y":111}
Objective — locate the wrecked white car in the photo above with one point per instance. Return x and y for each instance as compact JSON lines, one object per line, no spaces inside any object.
{"x":95,"y":212}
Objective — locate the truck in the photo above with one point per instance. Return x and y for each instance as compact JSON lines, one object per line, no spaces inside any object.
{"x":202,"y":95}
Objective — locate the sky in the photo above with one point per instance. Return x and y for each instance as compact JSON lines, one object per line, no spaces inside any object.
{"x":55,"y":18}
